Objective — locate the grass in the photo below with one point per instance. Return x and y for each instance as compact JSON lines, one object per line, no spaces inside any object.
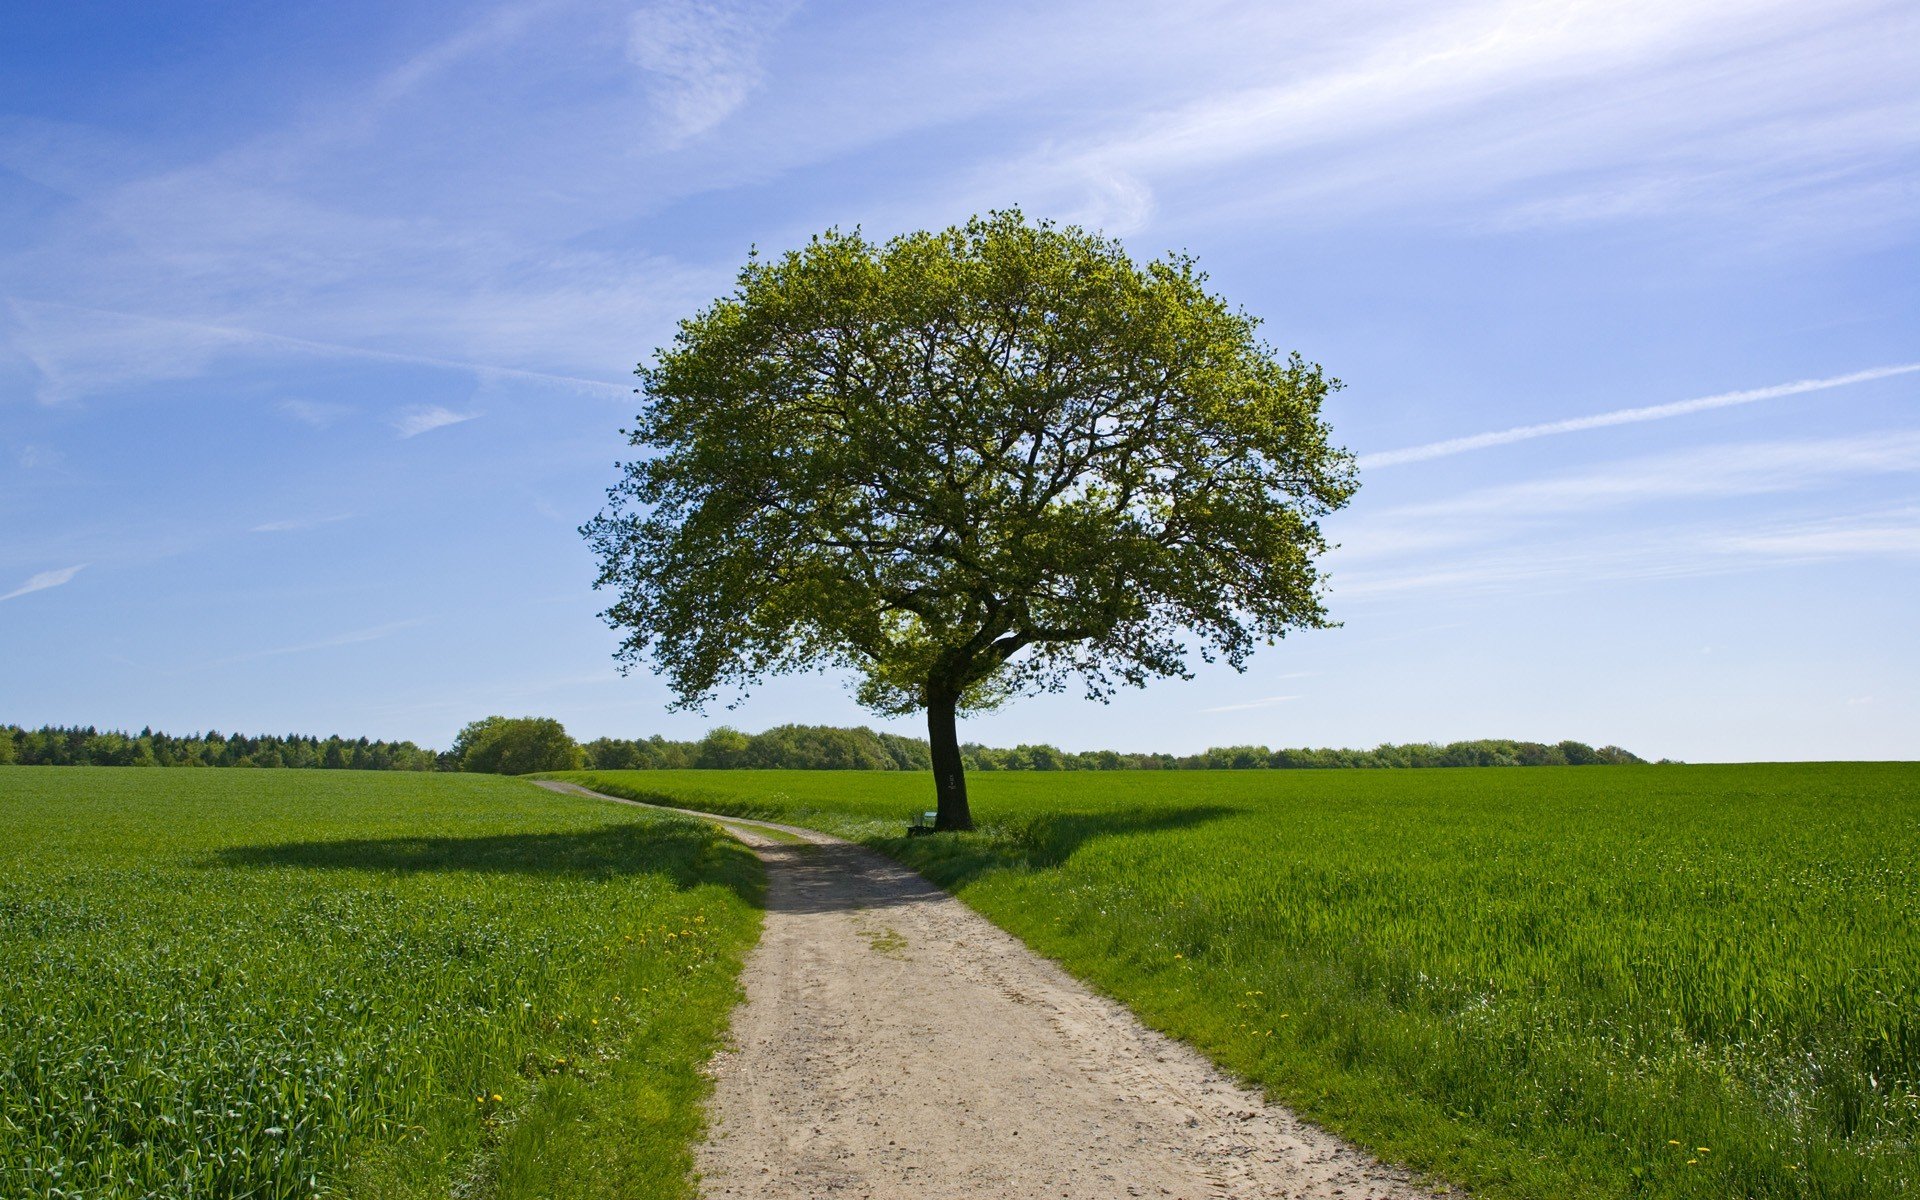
{"x":291,"y":984}
{"x":1650,"y":982}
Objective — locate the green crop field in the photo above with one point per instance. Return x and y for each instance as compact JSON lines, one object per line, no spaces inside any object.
{"x":1657,"y":981}
{"x":314,"y":983}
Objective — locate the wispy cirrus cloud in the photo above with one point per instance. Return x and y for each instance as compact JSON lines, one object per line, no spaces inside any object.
{"x":1625,"y":416}
{"x":81,"y":347}
{"x":1683,"y":552}
{"x":705,"y":57}
{"x":1895,"y":533}
{"x":297,"y":524}
{"x":1704,"y":475}
{"x":316,"y":414}
{"x":1690,"y":513}
{"x":1728,"y":469}
{"x":1502,"y":113}
{"x":45,"y":580}
{"x":352,"y":637}
{"x":413,"y":422}
{"x":1263,"y":702}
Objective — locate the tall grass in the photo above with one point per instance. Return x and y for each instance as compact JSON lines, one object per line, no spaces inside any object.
{"x":266,"y":984}
{"x":1661,"y":982}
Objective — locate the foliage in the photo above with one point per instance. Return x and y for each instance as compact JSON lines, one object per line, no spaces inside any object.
{"x":825,"y":748}
{"x":273,"y":985}
{"x":967,"y":464}
{"x":516,"y":746}
{"x":77,"y":746}
{"x":1490,"y":752}
{"x":784,"y":747}
{"x":1551,"y":983}
{"x":790,"y":747}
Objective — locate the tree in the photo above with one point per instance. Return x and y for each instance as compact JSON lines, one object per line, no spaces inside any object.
{"x":516,"y":746}
{"x":969,"y":464}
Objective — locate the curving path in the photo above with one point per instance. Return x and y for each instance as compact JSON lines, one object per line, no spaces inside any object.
{"x":896,"y":1045}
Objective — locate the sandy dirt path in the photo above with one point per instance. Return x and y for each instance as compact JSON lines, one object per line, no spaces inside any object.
{"x":894,"y":1044}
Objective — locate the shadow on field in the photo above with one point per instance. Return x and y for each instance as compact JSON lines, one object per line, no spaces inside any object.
{"x":1039,"y":842}
{"x":689,"y":854}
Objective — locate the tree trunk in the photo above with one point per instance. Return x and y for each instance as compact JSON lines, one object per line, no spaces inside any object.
{"x":949,"y":773}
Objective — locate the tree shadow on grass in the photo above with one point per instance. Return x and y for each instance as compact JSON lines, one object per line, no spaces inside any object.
{"x":687,"y":853}
{"x":1035,"y":843}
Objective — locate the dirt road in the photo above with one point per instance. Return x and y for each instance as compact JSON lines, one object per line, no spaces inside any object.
{"x":894,"y":1044}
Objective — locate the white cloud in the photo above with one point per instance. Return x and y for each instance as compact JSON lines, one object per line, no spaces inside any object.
{"x":1520,"y":112}
{"x":317,"y":413}
{"x":1490,"y":514}
{"x":379,"y":225}
{"x":45,"y":580}
{"x":1266,"y":702}
{"x":1733,"y":469}
{"x":417,"y":420}
{"x":80,"y":348}
{"x":705,"y":58}
{"x":1624,"y":416}
{"x":1697,"y":515}
{"x":1672,"y":553}
{"x":352,"y":637}
{"x":1895,"y":534}
{"x":296,"y":524}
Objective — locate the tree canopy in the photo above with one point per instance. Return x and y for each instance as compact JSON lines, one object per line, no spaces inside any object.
{"x":784,"y":747}
{"x":992,"y":460}
{"x":516,"y":746}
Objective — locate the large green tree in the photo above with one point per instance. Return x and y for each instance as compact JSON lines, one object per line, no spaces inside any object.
{"x":996,"y":459}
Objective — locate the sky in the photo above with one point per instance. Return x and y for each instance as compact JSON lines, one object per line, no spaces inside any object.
{"x":317,"y":325}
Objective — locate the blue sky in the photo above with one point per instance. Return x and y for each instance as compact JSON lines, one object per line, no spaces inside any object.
{"x":316,"y":325}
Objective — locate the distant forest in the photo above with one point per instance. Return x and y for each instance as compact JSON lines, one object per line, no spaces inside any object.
{"x":75,"y":746}
{"x":790,"y":747}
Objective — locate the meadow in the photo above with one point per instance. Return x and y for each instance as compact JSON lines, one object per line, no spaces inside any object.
{"x":1668,"y":981}
{"x":300,"y":984}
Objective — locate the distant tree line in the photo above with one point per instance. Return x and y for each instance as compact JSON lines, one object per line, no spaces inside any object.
{"x":78,"y":746}
{"x":788,"y":747}
{"x":521,"y":745}
{"x":826,"y":748}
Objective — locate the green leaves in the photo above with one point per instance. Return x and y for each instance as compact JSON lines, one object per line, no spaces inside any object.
{"x":516,"y":746}
{"x":992,"y":459}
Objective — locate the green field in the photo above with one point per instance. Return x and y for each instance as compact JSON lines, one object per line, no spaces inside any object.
{"x":314,"y":983}
{"x":1650,"y":981}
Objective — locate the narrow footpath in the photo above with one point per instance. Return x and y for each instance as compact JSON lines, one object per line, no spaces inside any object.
{"x":895,"y":1045}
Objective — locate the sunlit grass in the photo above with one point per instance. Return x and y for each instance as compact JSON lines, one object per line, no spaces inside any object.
{"x":1664,"y":982}
{"x":279,"y":984}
